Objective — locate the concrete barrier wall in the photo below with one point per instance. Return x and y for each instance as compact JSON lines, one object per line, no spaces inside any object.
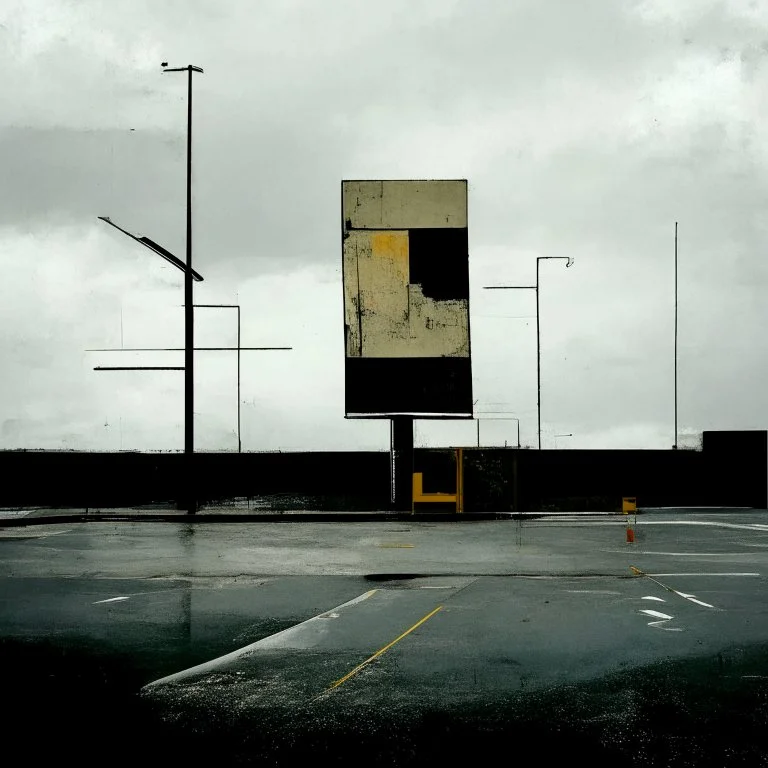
{"x":730,"y":470}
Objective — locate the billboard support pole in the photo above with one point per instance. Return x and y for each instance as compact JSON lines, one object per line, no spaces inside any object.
{"x":401,"y":455}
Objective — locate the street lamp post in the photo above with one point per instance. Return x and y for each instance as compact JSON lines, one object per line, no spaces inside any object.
{"x":675,"y":445}
{"x":189,"y":318}
{"x":568,"y":262}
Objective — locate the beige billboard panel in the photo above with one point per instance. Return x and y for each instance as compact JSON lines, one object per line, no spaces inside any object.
{"x":406,"y":299}
{"x":404,"y":204}
{"x":388,"y":316}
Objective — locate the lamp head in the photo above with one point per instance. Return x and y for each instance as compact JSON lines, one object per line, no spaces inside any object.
{"x":569,"y":262}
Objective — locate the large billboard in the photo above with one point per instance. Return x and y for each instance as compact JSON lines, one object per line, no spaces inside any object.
{"x":406,"y":298}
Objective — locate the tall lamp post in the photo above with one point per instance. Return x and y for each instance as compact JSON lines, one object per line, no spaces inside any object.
{"x":675,"y":445}
{"x":189,"y":317}
{"x":568,"y":262}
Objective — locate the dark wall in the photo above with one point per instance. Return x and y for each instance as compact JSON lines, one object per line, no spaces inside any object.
{"x":736,"y":463}
{"x":123,"y":479}
{"x":730,"y":470}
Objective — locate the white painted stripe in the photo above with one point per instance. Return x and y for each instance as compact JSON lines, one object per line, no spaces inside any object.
{"x":692,"y":598}
{"x":273,"y":641}
{"x":699,"y":602}
{"x":644,"y":522}
{"x":27,"y":533}
{"x":657,"y":614}
{"x":112,"y":600}
{"x":651,"y":597}
{"x":657,"y":625}
{"x":696,"y":554}
{"x":709,"y":523}
{"x":705,"y":574}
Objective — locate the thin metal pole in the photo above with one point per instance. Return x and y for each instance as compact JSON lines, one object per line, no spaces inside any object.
{"x":239,"y":441}
{"x":538,"y":356}
{"x":478,"y":433}
{"x":239,"y":348}
{"x":538,"y":330}
{"x":675,"y":445}
{"x":189,"y":323}
{"x":518,"y":433}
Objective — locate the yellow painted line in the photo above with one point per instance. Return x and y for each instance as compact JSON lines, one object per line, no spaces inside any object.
{"x":383,"y":650}
{"x":396,"y":546}
{"x":638,"y":572}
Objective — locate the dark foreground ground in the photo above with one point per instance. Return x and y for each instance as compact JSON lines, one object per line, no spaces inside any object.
{"x":388,"y":642}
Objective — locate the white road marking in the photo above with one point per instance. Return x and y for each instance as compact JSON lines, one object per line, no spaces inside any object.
{"x":662,"y":618}
{"x":112,"y":600}
{"x":657,"y":625}
{"x":695,"y":554}
{"x":693,"y":599}
{"x":705,"y":574}
{"x":25,"y":533}
{"x":652,"y":597}
{"x":640,"y":523}
{"x":684,"y":595}
{"x":278,"y":640}
{"x":657,"y":614}
{"x":710,"y":523}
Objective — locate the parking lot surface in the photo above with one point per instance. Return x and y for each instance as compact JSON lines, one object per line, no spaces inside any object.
{"x":391,"y":642}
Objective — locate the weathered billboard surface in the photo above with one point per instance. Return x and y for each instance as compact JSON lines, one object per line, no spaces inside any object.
{"x":406,"y":298}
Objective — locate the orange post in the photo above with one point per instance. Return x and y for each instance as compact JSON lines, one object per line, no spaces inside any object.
{"x":459,"y":480}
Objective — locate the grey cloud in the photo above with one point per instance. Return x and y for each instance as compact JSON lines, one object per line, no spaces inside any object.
{"x":571,"y":121}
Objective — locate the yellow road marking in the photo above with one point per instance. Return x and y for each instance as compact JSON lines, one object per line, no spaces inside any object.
{"x":638,"y":572}
{"x":383,"y":650}
{"x":692,"y":598}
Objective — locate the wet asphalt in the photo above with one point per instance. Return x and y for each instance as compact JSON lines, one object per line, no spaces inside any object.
{"x":390,"y":642}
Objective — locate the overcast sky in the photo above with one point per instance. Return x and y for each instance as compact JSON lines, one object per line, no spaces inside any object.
{"x":585,"y":129}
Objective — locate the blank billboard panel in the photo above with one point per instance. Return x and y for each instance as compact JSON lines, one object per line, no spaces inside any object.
{"x":406,"y":298}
